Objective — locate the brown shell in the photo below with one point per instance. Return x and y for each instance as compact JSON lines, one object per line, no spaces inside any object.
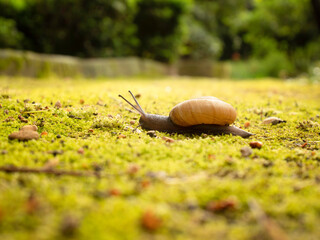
{"x":204,"y":110}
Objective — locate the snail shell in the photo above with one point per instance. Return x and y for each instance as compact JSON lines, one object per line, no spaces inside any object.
{"x":203,"y":110}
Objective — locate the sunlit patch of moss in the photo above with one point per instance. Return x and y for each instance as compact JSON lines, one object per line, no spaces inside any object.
{"x":175,"y":180}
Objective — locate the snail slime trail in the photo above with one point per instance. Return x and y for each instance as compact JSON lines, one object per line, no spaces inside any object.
{"x":207,"y":115}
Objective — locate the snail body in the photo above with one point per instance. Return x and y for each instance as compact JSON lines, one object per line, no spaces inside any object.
{"x":207,"y":115}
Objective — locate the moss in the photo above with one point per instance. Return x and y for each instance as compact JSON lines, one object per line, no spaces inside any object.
{"x":140,"y":173}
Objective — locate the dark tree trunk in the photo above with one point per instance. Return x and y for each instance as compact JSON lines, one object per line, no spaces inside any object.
{"x":316,"y":10}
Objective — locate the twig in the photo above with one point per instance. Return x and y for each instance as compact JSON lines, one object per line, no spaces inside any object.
{"x":274,"y":231}
{"x":14,"y":169}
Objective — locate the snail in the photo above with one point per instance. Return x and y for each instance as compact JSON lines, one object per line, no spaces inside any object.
{"x":208,"y":115}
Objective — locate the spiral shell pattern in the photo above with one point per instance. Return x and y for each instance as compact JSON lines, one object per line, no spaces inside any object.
{"x":204,"y":110}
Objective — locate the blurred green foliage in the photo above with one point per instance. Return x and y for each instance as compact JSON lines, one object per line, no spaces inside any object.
{"x":282,"y":35}
{"x":161,"y":28}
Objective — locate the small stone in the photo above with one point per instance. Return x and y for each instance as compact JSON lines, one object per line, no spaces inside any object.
{"x":132,"y":122}
{"x":58,"y":136}
{"x":100,"y":103}
{"x":256,"y":144}
{"x":247,"y":124}
{"x":152,"y":133}
{"x":29,"y":128}
{"x":90,"y":130}
{"x":273,"y":121}
{"x":133,"y":169}
{"x":168,"y":140}
{"x":6,"y":111}
{"x":26,"y":100}
{"x":150,"y":221}
{"x":109,"y":116}
{"x":81,"y":151}
{"x":24,"y":135}
{"x":121,"y":136}
{"x":246,"y":151}
{"x":58,"y":104}
{"x":81,"y":101}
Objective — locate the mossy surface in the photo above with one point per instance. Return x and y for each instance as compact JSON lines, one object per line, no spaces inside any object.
{"x":93,"y":132}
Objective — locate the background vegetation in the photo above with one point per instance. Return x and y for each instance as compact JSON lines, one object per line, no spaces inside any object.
{"x":275,"y":37}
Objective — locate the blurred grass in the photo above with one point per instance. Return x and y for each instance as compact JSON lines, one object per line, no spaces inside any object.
{"x":176,"y":181}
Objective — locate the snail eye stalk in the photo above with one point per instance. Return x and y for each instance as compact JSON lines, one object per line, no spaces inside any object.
{"x":134,"y":98}
{"x":139,"y":109}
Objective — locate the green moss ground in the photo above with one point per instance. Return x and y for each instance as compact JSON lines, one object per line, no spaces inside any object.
{"x":175,"y":181}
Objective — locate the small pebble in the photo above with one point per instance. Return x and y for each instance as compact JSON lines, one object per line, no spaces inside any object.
{"x":29,"y":128}
{"x":256,"y":144}
{"x":81,"y":101}
{"x":138,"y":95}
{"x":58,"y":104}
{"x":246,"y":151}
{"x":90,"y":130}
{"x":168,"y":140}
{"x":81,"y":151}
{"x":58,"y":136}
{"x":133,"y":169}
{"x":132,"y":122}
{"x":273,"y":121}
{"x":100,"y":103}
{"x":24,"y":135}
